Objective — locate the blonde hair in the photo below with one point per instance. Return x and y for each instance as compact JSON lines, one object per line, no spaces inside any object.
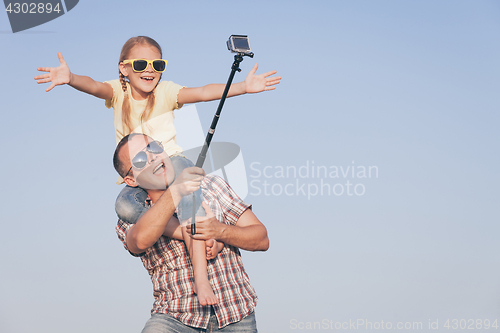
{"x":127,"y":47}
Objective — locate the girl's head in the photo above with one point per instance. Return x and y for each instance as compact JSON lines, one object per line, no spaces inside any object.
{"x":139,"y":40}
{"x":142,"y":84}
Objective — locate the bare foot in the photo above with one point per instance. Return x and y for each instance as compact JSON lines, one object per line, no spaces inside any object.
{"x":205,"y":293}
{"x":213,"y":247}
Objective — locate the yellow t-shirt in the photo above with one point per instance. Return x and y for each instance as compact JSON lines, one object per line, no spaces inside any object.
{"x":160,"y":126}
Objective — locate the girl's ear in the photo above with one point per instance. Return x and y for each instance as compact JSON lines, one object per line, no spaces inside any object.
{"x":123,"y":69}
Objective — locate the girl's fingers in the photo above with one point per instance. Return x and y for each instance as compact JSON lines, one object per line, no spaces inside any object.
{"x":271,"y":83}
{"x":43,"y":69}
{"x":269,"y":73}
{"x":61,"y":59}
{"x":43,"y":76}
{"x":254,"y":69}
{"x":43,"y":81}
{"x":50,"y":88}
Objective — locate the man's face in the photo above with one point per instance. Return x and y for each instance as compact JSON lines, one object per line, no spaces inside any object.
{"x":157,"y":172}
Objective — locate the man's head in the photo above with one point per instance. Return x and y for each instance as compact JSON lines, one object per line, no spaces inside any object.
{"x":142,"y":162}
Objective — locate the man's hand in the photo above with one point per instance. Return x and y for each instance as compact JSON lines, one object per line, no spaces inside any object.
{"x":248,"y":233}
{"x":188,"y":181}
{"x":57,"y":75}
{"x":208,"y":227}
{"x":262,"y":82}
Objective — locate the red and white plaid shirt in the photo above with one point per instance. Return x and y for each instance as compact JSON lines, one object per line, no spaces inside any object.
{"x":171,"y":271}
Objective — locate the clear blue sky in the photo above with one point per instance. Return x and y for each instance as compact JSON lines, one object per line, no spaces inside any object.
{"x":408,"y":88}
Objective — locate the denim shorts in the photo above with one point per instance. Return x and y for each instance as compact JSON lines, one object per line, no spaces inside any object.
{"x":164,"y":323}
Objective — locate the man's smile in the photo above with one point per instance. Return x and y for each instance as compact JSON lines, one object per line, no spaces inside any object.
{"x":159,"y":168}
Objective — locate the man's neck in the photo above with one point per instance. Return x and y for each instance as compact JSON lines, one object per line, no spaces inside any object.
{"x":169,"y":197}
{"x":154,"y":195}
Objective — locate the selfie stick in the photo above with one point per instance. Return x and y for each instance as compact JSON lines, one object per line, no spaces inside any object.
{"x":203,"y":154}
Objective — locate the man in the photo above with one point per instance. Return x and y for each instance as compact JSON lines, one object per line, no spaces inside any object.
{"x":155,"y":239}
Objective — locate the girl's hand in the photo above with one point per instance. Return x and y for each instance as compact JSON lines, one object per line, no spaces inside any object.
{"x":262,"y":82}
{"x":57,"y":75}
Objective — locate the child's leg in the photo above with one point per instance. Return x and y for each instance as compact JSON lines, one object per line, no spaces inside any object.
{"x":197,"y":253}
{"x":130,"y":204}
{"x":213,"y":248}
{"x":197,"y":249}
{"x":185,"y":207}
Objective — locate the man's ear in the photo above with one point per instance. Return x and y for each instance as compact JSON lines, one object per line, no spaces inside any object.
{"x":130,"y":181}
{"x":123,"y":69}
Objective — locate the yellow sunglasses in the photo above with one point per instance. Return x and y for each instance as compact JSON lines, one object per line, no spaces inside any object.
{"x":140,"y":65}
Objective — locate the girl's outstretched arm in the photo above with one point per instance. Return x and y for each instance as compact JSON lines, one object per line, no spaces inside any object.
{"x":62,"y":75}
{"x":252,"y":84}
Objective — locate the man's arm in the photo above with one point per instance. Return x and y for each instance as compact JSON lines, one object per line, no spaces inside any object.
{"x":152,"y":224}
{"x":248,"y":233}
{"x":173,"y":229}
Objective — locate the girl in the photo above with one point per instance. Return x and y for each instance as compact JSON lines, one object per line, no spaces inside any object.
{"x":143,"y":104}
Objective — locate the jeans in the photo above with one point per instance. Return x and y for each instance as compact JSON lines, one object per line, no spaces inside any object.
{"x":164,"y":323}
{"x":130,"y":204}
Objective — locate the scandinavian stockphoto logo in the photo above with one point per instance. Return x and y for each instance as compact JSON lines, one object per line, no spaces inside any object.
{"x":308,"y":179}
{"x":26,"y":15}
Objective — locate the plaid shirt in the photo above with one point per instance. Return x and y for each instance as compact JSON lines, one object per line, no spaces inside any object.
{"x":171,"y":271}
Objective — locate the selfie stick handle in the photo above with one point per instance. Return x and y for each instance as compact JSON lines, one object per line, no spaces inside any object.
{"x":203,"y":154}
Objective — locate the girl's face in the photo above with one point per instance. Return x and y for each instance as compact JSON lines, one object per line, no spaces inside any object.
{"x":142,"y":83}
